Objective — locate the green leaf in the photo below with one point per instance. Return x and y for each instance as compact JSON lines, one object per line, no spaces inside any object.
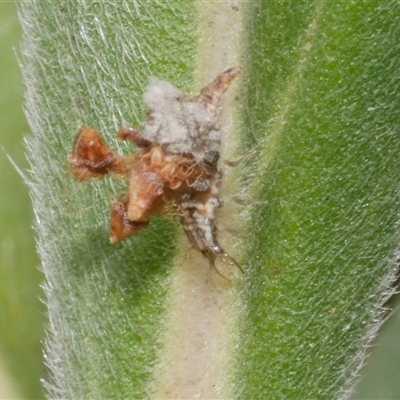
{"x":318,"y":104}
{"x":327,"y":239}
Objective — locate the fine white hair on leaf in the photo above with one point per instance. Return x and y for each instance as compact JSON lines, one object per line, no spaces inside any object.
{"x":75,"y":74}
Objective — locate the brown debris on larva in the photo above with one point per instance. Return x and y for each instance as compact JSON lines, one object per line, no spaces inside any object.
{"x":173,"y":171}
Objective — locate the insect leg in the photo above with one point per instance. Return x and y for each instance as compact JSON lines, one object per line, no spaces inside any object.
{"x":129,"y":133}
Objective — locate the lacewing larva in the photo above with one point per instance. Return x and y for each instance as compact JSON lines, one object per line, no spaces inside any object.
{"x":175,"y":168}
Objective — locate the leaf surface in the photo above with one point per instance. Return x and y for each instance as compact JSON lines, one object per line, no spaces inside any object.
{"x":318,"y":102}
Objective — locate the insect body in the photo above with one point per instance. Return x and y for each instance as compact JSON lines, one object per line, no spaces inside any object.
{"x":175,"y":169}
{"x":198,"y":220}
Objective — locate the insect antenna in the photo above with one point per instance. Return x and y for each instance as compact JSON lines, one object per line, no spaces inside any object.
{"x":211,"y":258}
{"x":232,"y":260}
{"x":235,"y":232}
{"x":242,"y":159}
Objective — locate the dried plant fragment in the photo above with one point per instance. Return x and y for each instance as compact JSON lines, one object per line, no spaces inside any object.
{"x":91,"y":156}
{"x":175,"y":168}
{"x":121,"y":227}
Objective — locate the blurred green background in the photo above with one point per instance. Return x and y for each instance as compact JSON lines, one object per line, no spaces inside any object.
{"x":21,"y":312}
{"x":22,"y":315}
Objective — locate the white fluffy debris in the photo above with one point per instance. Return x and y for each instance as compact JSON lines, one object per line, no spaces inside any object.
{"x":179,"y":123}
